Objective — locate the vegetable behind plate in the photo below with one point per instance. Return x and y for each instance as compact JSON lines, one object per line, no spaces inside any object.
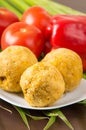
{"x":22,"y":34}
{"x":68,"y":31}
{"x":7,"y":17}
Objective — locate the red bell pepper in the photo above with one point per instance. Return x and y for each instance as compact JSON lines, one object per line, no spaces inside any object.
{"x":68,"y":31}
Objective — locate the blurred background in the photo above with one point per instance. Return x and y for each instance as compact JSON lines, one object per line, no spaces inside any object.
{"x":75,"y":4}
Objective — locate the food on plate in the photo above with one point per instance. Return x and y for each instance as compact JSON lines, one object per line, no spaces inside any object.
{"x":42,"y":84}
{"x":13,"y":61}
{"x":69,"y":64}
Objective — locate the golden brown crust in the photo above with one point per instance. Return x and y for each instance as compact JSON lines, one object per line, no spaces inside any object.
{"x":42,"y":84}
{"x":69,"y":64}
{"x":13,"y":61}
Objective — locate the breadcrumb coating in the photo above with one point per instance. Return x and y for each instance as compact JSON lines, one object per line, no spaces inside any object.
{"x":69,"y":64}
{"x":42,"y":84}
{"x":13,"y":61}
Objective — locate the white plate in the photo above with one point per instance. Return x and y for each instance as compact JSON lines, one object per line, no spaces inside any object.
{"x":69,"y":98}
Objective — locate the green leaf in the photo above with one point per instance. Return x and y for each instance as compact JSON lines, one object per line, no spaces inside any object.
{"x":57,"y":112}
{"x":23,"y":116}
{"x":51,"y":113}
{"x":84,"y":75}
{"x":3,"y":3}
{"x":6,"y":109}
{"x":21,"y":6}
{"x":36,"y":117}
{"x":50,"y":122}
{"x":83,"y":102}
{"x":62,"y":116}
{"x":53,"y":7}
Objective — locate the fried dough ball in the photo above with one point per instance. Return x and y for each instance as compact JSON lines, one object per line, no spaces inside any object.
{"x":42,"y":84}
{"x":13,"y":61}
{"x":69,"y":64}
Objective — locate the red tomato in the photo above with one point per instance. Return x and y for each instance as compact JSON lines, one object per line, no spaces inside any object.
{"x":36,"y":16}
{"x":6,"y":18}
{"x":20,"y":33}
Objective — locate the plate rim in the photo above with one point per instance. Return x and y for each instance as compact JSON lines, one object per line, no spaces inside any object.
{"x":44,"y":108}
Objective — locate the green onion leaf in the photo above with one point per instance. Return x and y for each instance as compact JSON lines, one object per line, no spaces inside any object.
{"x":62,"y":116}
{"x":84,"y":75}
{"x":83,"y":102}
{"x":21,"y":6}
{"x":36,"y":117}
{"x":3,"y":3}
{"x":6,"y":109}
{"x":23,"y":116}
{"x":50,"y":122}
{"x":57,"y":112}
{"x":52,"y":7}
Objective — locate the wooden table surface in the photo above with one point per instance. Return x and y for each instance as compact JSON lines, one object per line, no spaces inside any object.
{"x":76,"y":113}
